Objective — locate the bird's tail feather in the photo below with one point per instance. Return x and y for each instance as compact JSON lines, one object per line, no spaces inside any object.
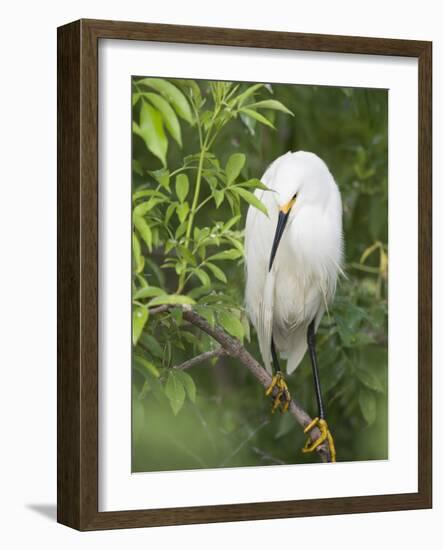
{"x":298,"y":348}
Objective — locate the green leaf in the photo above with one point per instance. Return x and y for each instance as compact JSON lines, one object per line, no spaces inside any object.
{"x":162,"y":177}
{"x":370,"y":250}
{"x":216,"y":298}
{"x":152,"y":132}
{"x":258,"y":117}
{"x":170,"y":210}
{"x":211,"y":179}
{"x":255,"y":184}
{"x":143,"y":208}
{"x":207,"y":313}
{"x":218,"y":197}
{"x":217,"y":272}
{"x":347,"y":336}
{"x":370,"y":380}
{"x":192,"y":88}
{"x":170,"y":92}
{"x":181,"y":229}
{"x":139,"y":260}
{"x":233,"y":166}
{"x":169,"y":117}
{"x":139,"y":317}
{"x":249,"y":123}
{"x":332,"y":375}
{"x":231,"y":254}
{"x":270,"y":104}
{"x":150,"y":367}
{"x":148,"y":292}
{"x":189,"y":337}
{"x":203,"y":276}
{"x":188,"y":384}
{"x":231,"y":324}
{"x":171,"y":299}
{"x":143,"y":282}
{"x":177,"y":315}
{"x":238,"y":244}
{"x":368,"y":405}
{"x":175,"y":392}
{"x":182,"y":211}
{"x":201,"y":251}
{"x":152,"y":345}
{"x":182,"y":186}
{"x":231,"y":222}
{"x":241,"y":98}
{"x":246,"y":328}
{"x":156,"y":237}
{"x":137,"y":167}
{"x":187,"y":255}
{"x":251,"y":199}
{"x":148,"y":193}
{"x":144,"y":230}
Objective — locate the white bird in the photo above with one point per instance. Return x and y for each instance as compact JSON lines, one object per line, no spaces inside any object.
{"x":293,"y":261}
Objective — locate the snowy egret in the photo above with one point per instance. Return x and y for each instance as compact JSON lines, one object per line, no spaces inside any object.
{"x":293,"y":260}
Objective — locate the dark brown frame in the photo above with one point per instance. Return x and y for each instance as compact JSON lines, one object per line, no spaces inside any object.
{"x":77,"y":456}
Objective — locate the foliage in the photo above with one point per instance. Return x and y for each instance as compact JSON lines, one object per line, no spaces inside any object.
{"x":199,"y":149}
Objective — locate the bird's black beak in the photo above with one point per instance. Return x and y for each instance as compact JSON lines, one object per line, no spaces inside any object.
{"x":281,"y":224}
{"x":283,"y":216}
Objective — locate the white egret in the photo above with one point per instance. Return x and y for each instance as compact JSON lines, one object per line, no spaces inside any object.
{"x":293,"y":260}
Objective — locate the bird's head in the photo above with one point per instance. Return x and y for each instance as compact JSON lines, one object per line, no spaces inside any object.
{"x":298,"y":178}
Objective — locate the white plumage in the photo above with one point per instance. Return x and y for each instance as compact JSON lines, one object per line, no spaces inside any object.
{"x":282,"y":302}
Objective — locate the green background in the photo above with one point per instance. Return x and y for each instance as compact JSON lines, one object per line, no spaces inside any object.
{"x":230,"y":424}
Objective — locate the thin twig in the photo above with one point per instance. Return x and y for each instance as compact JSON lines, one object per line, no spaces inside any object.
{"x":201,"y":358}
{"x":267,"y":457}
{"x":234,"y":348}
{"x":251,"y":435}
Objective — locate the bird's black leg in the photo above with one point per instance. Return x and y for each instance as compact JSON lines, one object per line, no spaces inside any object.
{"x":320,"y":420}
{"x":315,"y":373}
{"x":281,"y":396}
{"x":275,"y":363}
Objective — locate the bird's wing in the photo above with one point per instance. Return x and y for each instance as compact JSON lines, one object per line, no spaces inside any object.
{"x":260,"y":284}
{"x":265,"y":320}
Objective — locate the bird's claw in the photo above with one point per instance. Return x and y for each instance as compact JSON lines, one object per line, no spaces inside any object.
{"x":325,"y":435}
{"x":282,"y":398}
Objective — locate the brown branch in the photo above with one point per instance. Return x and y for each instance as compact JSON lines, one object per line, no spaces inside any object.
{"x":200,"y":358}
{"x":234,"y":348}
{"x":160,"y":309}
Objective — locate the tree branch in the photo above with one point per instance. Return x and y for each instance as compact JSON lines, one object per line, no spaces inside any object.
{"x":234,"y":348}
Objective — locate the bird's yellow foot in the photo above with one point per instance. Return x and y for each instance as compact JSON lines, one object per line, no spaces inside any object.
{"x":282,"y":398}
{"x":310,"y":445}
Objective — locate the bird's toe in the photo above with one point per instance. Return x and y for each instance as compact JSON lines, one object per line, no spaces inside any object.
{"x":279,"y":391}
{"x":325,"y":435}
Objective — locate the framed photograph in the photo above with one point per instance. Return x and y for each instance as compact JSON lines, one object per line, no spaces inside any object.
{"x":241,"y":216}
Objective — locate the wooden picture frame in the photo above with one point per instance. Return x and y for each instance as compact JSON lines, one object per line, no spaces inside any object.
{"x":78,"y":274}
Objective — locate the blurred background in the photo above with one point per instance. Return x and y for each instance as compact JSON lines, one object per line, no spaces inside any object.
{"x":229,"y":423}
